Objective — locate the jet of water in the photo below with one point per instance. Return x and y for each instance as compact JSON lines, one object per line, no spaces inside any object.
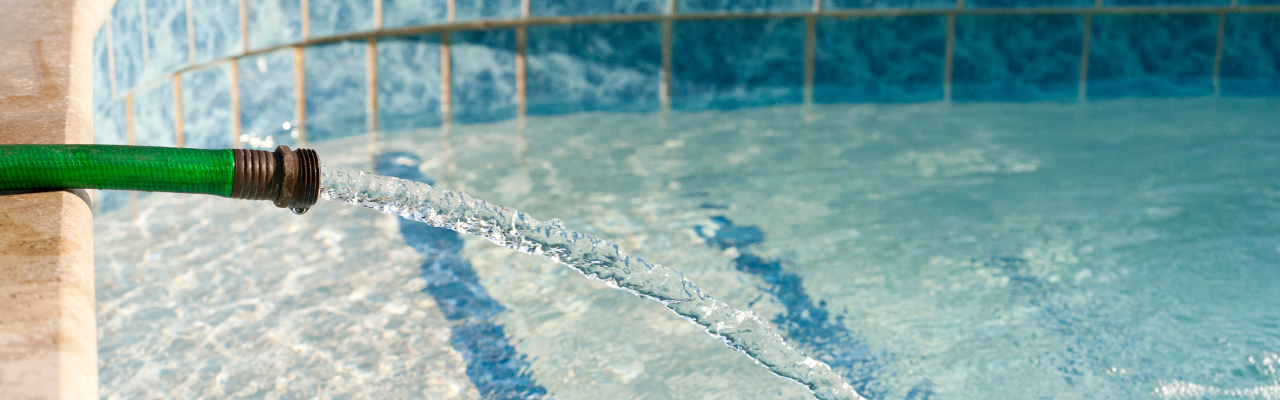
{"x":741,"y":330}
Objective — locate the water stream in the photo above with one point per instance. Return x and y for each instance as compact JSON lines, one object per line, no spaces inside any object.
{"x":744,"y":331}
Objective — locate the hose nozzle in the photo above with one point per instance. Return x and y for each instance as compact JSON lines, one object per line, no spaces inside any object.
{"x":289,"y":178}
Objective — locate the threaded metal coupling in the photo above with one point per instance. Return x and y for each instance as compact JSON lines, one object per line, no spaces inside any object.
{"x":290,"y":179}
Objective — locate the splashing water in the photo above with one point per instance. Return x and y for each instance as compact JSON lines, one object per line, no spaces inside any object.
{"x":595,"y":258}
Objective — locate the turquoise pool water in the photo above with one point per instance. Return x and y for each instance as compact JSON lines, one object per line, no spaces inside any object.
{"x":1121,"y":249}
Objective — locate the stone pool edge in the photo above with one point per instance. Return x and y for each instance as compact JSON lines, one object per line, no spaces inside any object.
{"x":48,"y":333}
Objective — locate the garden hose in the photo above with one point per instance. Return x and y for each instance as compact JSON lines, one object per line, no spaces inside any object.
{"x":289,"y":178}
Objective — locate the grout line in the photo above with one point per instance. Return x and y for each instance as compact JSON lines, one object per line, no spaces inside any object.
{"x":111,"y":58}
{"x":377,"y":15}
{"x":524,"y":9}
{"x":1217,"y":55}
{"x":512,"y":23}
{"x":191,"y":34}
{"x":146,"y":56}
{"x":948,"y":64}
{"x":446,"y":79}
{"x":305,"y":11}
{"x":522,"y":98}
{"x":128,"y":118}
{"x":959,"y":4}
{"x":817,"y":6}
{"x":1086,"y":44}
{"x":664,"y":85}
{"x":300,"y":87}
{"x":451,"y":11}
{"x":244,"y":27}
{"x":235,"y":103}
{"x":179,"y":137}
{"x":671,"y":7}
{"x":1235,"y":3}
{"x":810,"y":50}
{"x":371,"y":54}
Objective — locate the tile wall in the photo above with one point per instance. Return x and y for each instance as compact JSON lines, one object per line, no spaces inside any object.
{"x":260,"y":73}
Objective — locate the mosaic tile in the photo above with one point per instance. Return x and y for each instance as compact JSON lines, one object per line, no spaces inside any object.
{"x":1251,"y":55}
{"x":154,"y":115}
{"x":1152,"y":55}
{"x":216,"y":26}
{"x":109,"y":124}
{"x":126,"y":37}
{"x":206,"y":103}
{"x":1258,"y":2}
{"x":484,"y":78}
{"x":274,"y":22}
{"x":726,"y":6}
{"x":1026,"y":3}
{"x":332,"y":17}
{"x":1017,"y":57}
{"x":555,"y":8}
{"x":409,"y":82}
{"x":475,"y":10}
{"x":887,"y":4}
{"x":268,"y":100}
{"x":895,"y":59}
{"x":608,"y":67}
{"x":398,"y":13}
{"x":166,"y":37}
{"x":101,"y":69}
{"x":1131,"y":3}
{"x":337,"y":90}
{"x":737,"y":63}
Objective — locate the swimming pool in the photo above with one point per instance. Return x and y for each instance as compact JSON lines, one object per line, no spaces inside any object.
{"x":1122,"y":249}
{"x":941,"y":200}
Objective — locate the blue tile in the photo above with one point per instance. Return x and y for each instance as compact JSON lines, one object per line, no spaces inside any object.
{"x":1251,"y":55}
{"x":475,"y":10}
{"x":109,"y":124}
{"x":216,"y":28}
{"x":268,"y":100}
{"x":735,"y":6}
{"x":484,"y":75}
{"x":166,"y":37}
{"x":1166,"y":2}
{"x":409,"y":82}
{"x":126,"y":37}
{"x":1258,"y":2}
{"x":400,"y":13}
{"x":555,"y":8}
{"x":1152,"y":55}
{"x":154,"y":115}
{"x":332,"y":17}
{"x":1027,"y":3}
{"x":337,"y":90}
{"x":274,"y":22}
{"x":101,"y":70}
{"x":607,"y":67}
{"x":883,"y":60}
{"x":737,"y":63}
{"x":206,"y":103}
{"x":888,"y":4}
{"x":1017,"y":57}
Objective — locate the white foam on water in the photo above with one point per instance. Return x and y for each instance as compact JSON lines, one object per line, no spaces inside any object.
{"x":743,"y":331}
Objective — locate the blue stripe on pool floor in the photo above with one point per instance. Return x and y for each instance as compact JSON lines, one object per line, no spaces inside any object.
{"x":809,"y":326}
{"x":496,"y":369}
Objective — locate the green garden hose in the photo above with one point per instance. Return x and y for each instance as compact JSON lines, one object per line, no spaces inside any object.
{"x":289,"y":178}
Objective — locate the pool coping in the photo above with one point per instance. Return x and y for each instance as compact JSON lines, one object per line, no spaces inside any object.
{"x":47,"y":317}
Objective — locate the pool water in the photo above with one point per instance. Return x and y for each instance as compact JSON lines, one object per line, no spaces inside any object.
{"x":1120,"y":249}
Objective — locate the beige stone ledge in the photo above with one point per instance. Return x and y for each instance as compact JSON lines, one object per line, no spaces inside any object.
{"x":48,"y":336}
